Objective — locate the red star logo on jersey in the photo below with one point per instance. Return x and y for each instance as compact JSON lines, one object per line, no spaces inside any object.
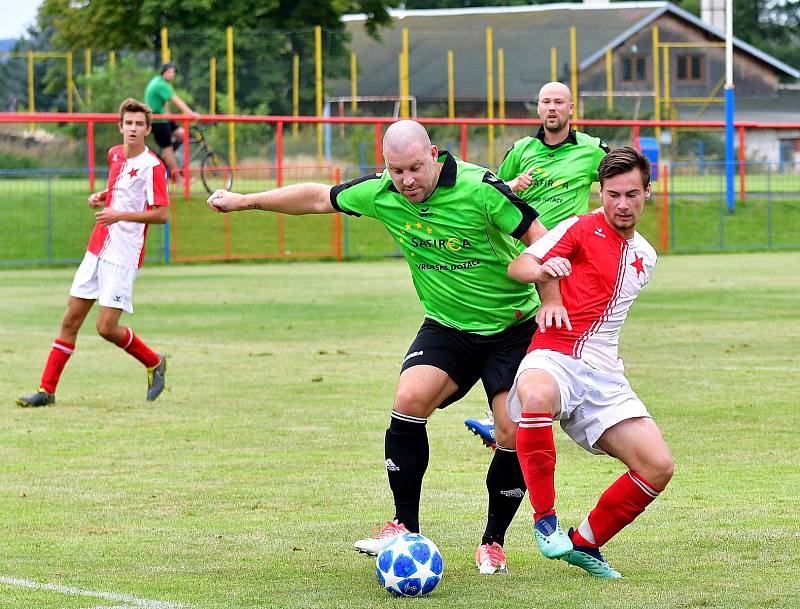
{"x":638,"y":264}
{"x":133,"y":172}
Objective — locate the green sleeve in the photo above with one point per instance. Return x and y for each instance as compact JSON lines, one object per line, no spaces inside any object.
{"x":509,"y":168}
{"x":357,"y":197}
{"x":505,"y":210}
{"x":599,"y":154}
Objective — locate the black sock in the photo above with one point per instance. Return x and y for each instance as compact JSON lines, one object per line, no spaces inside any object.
{"x":406,"y":450}
{"x":506,"y":487}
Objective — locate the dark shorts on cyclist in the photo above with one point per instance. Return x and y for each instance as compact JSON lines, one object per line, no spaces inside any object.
{"x":162,"y":132}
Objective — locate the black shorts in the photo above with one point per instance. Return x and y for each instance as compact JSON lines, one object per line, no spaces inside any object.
{"x":467,"y":357}
{"x":162,"y":132}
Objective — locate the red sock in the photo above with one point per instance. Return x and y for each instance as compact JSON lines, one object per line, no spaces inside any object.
{"x":619,"y":505}
{"x":58,"y":358}
{"x":537,"y":456}
{"x":131,"y":344}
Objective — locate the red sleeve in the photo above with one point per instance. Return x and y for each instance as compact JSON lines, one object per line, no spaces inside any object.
{"x":160,"y":196}
{"x":563,"y":240}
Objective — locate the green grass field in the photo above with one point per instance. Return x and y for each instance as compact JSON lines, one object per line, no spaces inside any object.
{"x":246,"y":483}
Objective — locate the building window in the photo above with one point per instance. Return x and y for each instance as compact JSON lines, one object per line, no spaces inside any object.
{"x":634,"y":68}
{"x":691,"y":67}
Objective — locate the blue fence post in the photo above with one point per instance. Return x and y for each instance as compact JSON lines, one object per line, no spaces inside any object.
{"x":166,"y":242}
{"x":701,"y":165}
{"x":730,"y":148}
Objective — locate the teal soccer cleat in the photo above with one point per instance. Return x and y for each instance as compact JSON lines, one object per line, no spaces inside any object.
{"x":591,"y":561}
{"x":551,"y":538}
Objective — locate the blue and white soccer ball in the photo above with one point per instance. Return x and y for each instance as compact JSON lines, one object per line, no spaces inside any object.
{"x":411,"y":565}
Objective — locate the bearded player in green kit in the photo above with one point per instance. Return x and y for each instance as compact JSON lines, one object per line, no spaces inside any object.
{"x":553,"y":172}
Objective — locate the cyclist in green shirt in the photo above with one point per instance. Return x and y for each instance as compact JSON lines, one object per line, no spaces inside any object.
{"x":456,"y":224}
{"x":553,"y":171}
{"x":158,"y":94}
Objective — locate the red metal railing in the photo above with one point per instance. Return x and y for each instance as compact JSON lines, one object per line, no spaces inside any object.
{"x":378,"y":122}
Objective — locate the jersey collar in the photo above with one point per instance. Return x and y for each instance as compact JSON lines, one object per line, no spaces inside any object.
{"x":570,"y":139}
{"x":447,"y":176}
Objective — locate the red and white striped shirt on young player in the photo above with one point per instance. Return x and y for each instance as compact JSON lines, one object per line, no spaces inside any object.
{"x":133,"y":185}
{"x":608,"y":272}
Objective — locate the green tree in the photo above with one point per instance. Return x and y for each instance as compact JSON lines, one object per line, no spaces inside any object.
{"x":267,"y":35}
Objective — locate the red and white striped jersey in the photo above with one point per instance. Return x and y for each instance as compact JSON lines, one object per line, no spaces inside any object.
{"x":608,"y":272}
{"x":133,"y":185}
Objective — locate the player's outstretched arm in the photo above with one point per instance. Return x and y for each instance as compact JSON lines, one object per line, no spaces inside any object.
{"x":297,"y":199}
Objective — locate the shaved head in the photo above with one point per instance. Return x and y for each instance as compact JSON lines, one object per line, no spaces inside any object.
{"x":404,"y":135}
{"x":411,"y":160}
{"x":555,"y":107}
{"x":555,"y":88}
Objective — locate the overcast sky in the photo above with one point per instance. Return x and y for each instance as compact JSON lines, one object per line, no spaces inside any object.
{"x":16,"y":15}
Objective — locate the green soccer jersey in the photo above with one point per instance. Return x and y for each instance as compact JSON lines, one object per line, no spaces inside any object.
{"x":458,"y":243}
{"x":562,"y":174}
{"x":157,"y":92}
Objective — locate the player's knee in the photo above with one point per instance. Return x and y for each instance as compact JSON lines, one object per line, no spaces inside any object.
{"x":505,"y":432}
{"x":660,"y":470}
{"x":534,"y":399}
{"x":408,"y":400}
{"x":106,"y":329}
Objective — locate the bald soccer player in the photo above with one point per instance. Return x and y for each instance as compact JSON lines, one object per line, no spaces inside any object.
{"x":457,"y":225}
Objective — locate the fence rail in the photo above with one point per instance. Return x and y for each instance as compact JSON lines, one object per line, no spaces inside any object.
{"x":46,"y":218}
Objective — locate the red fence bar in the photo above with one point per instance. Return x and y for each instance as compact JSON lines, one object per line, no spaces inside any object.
{"x":464,"y":141}
{"x":279,"y":154}
{"x":665,"y":210}
{"x":76,"y":117}
{"x":636,"y":138}
{"x":742,"y":191}
{"x":90,"y":151}
{"x":187,"y":178}
{"x":378,"y":146}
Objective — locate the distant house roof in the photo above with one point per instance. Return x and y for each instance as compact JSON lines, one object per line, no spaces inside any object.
{"x":525,"y":33}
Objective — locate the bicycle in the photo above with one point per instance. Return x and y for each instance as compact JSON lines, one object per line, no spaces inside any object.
{"x":215,"y":168}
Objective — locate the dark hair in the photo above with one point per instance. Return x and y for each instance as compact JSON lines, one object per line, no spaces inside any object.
{"x":134,"y":105}
{"x":167,"y":66}
{"x":623,"y":160}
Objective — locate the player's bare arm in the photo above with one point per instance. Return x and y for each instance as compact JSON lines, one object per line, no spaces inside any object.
{"x":297,"y":199}
{"x":527,"y":268}
{"x":552,"y":311}
{"x":157,"y":214}
{"x":535,"y":231}
{"x":98,"y":199}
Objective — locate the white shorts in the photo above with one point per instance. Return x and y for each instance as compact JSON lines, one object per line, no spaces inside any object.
{"x":110,"y":285}
{"x":592,"y":400}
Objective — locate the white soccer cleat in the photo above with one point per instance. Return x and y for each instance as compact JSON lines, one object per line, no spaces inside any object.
{"x":490,"y":559}
{"x":374,"y":545}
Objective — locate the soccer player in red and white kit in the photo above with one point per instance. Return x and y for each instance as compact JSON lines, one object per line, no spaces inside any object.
{"x":136,"y":197}
{"x":573,"y":373}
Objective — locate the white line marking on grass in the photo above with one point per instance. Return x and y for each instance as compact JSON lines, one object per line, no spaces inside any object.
{"x":134,"y":601}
